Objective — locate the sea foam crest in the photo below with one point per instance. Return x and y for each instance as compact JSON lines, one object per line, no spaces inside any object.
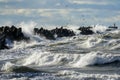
{"x":40,"y":58}
{"x":74,"y":60}
{"x":94,"y":58}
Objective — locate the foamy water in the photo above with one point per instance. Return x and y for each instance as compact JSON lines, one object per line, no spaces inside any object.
{"x":80,"y":57}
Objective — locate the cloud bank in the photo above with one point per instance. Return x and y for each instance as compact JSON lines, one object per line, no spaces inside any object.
{"x":61,"y":12}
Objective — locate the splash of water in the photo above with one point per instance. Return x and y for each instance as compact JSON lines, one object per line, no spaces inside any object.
{"x":99,"y":28}
{"x":28,"y":27}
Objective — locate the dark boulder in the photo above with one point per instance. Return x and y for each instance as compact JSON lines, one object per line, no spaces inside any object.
{"x":3,"y":42}
{"x":50,"y":34}
{"x":12,"y":33}
{"x":86,"y":30}
{"x":61,"y":32}
{"x":44,"y":33}
{"x":22,"y":69}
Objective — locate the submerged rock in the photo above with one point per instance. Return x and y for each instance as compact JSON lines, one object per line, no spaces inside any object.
{"x":22,"y":69}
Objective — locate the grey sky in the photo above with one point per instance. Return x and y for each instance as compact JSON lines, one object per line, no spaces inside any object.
{"x":60,"y":12}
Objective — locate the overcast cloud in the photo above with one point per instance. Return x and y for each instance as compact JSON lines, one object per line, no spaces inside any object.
{"x":61,"y":12}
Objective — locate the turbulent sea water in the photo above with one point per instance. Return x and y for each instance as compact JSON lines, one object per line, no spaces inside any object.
{"x":81,"y":57}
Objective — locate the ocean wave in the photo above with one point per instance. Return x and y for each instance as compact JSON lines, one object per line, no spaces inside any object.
{"x":50,"y":59}
{"x":72,"y":60}
{"x":96,"y":58}
{"x":66,"y":74}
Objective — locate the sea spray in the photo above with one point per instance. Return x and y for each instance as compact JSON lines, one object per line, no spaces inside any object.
{"x":28,"y":28}
{"x":74,"y":28}
{"x":99,"y":28}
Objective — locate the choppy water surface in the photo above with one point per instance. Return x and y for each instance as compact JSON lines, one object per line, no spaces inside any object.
{"x":91,"y":57}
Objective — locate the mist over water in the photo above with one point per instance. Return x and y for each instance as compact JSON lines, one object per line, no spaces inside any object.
{"x":81,"y":57}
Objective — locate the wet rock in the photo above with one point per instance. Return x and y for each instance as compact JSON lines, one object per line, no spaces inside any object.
{"x":44,"y":33}
{"x":50,"y":34}
{"x":61,"y":32}
{"x":12,"y":33}
{"x":2,"y":42}
{"x":86,"y":30}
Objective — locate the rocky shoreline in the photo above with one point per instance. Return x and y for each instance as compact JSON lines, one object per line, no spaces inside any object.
{"x":10,"y":34}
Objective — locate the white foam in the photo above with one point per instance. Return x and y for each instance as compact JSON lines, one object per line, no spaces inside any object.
{"x":99,"y":28}
{"x":7,"y":66}
{"x":87,"y":76}
{"x":74,"y":28}
{"x":96,"y":58}
{"x":27,"y":27}
{"x":74,"y":60}
{"x":89,"y":41}
{"x":23,"y":44}
{"x":45,"y":58}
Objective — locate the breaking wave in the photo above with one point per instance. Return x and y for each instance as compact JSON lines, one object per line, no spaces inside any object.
{"x":40,"y":58}
{"x":97,"y":58}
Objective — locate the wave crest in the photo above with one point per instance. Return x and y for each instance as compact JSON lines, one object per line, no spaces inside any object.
{"x":94,"y":58}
